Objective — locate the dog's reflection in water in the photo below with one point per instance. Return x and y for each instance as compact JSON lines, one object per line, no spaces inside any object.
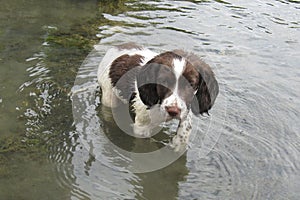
{"x":160,"y":183}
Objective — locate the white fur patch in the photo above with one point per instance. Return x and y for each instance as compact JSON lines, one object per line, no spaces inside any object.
{"x":175,"y":99}
{"x":146,"y":119}
{"x":178,"y":67}
{"x":180,"y":140}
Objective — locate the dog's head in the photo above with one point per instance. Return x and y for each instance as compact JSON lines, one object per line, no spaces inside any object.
{"x":178,"y":82}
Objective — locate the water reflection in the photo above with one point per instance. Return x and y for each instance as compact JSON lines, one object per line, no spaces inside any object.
{"x":164,"y":183}
{"x":254,"y":48}
{"x":115,"y":180}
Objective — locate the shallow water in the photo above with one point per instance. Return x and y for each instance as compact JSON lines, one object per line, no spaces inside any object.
{"x":247,"y":149}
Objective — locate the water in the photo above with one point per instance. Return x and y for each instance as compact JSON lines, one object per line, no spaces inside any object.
{"x":253,"y":131}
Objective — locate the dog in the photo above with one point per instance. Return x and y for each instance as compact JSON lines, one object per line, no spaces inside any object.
{"x":158,"y":86}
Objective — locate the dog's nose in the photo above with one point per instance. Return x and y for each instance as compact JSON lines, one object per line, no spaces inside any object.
{"x":173,"y":110}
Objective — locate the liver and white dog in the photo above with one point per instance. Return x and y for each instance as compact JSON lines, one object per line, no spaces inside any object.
{"x":159,"y":87}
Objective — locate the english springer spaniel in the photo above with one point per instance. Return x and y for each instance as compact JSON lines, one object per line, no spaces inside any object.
{"x":158,"y":87}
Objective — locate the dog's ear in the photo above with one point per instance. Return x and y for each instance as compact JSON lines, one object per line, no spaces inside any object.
{"x":207,"y":92}
{"x":146,"y":83}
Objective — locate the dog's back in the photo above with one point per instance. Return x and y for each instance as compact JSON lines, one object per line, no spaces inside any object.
{"x":116,"y":63}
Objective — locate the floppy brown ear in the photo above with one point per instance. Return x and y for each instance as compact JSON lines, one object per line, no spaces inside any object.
{"x":146,"y":82}
{"x":208,"y":87}
{"x":208,"y":90}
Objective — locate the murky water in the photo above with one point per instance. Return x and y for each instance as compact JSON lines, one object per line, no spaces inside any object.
{"x":247,"y":149}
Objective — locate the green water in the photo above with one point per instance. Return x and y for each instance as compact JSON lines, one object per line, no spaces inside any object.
{"x":26,"y":171}
{"x":253,"y":48}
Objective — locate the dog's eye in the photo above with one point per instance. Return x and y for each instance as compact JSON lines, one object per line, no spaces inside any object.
{"x":189,"y":85}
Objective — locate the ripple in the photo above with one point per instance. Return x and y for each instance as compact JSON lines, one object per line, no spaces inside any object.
{"x":253,"y":153}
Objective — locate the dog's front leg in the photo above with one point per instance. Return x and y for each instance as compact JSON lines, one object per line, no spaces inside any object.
{"x":142,"y":126}
{"x":147,"y":121}
{"x":180,"y":140}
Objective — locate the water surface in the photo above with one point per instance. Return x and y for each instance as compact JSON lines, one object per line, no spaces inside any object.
{"x":253,"y":48}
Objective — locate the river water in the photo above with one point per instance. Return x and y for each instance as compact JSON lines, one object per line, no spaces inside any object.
{"x":248,"y":148}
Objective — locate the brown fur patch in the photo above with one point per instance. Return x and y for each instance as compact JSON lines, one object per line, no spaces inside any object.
{"x":165,"y":58}
{"x":191,"y":75}
{"x":122,"y":65}
{"x":122,"y":73}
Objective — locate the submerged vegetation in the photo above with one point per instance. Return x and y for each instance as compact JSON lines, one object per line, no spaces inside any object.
{"x":52,"y":74}
{"x":44,"y":107}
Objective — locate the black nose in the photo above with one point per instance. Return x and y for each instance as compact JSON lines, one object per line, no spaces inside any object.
{"x":173,"y":110}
